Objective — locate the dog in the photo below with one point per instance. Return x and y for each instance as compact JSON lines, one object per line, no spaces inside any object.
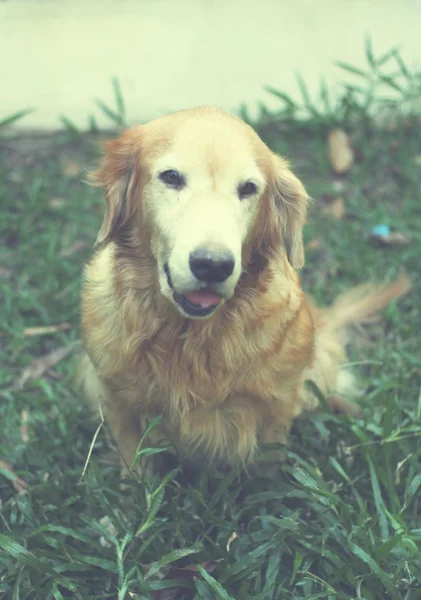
{"x":192,"y":308}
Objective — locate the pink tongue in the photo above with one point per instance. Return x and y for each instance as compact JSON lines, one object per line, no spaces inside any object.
{"x":203,"y":298}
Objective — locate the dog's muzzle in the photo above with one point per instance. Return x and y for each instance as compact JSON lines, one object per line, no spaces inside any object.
{"x":198,"y":303}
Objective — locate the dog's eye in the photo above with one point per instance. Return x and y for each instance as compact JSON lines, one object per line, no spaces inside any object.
{"x":172,"y":178}
{"x":246,"y":189}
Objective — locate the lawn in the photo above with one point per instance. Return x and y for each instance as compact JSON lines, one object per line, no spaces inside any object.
{"x":343,"y":518}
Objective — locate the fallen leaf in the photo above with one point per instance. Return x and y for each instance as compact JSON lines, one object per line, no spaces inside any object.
{"x":314,"y":243}
{"x":398,"y":238}
{"x":24,"y":415}
{"x":31,"y":331}
{"x":335,"y":209}
{"x":54,"y":375}
{"x":232,"y":537}
{"x":399,"y":467}
{"x":40,"y":365}
{"x":109,"y":525}
{"x":393,"y":238}
{"x":57,"y":202}
{"x":70,"y":168}
{"x":76,"y":247}
{"x":19,"y":484}
{"x":340,"y":404}
{"x":340,"y":152}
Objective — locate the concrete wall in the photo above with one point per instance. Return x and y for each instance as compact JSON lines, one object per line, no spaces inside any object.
{"x":58,"y":55}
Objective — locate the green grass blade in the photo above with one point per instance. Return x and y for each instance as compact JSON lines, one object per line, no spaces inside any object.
{"x":69,"y":125}
{"x":351,"y":69}
{"x":23,"y":555}
{"x":306,"y":97}
{"x":57,"y":594}
{"x":281,"y":96}
{"x":216,"y":587}
{"x":378,"y":500}
{"x":15,"y":117}
{"x":370,"y":562}
{"x":115,"y":117}
{"x":28,"y":558}
{"x":16,"y":587}
{"x":203,"y":591}
{"x":369,"y":53}
{"x":387,"y":56}
{"x":411,"y":490}
{"x":119,"y":99}
{"x":172,"y":557}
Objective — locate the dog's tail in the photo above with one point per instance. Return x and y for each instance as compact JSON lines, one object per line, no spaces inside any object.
{"x":361,"y":304}
{"x":356,"y":307}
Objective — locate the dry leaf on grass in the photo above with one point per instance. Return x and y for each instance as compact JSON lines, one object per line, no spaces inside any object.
{"x":314,"y":244}
{"x":396,"y":237}
{"x":383,"y":236}
{"x":19,"y":484}
{"x":399,"y":467}
{"x":341,"y":155}
{"x":335,"y":209}
{"x":109,"y":525}
{"x":75,"y":247}
{"x":32,"y":331}
{"x":232,"y":537}
{"x":23,"y":429}
{"x":57,"y":202}
{"x":54,"y":375}
{"x":70,"y":167}
{"x":40,"y":365}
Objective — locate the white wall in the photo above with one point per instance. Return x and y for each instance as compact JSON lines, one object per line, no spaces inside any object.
{"x":58,"y":55}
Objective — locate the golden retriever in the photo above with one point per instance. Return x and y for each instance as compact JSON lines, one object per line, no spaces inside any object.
{"x":192,"y":307}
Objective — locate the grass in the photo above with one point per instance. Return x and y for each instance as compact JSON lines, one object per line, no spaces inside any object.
{"x":343,"y":518}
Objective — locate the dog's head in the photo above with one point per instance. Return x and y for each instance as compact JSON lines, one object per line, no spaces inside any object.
{"x":202,"y":193}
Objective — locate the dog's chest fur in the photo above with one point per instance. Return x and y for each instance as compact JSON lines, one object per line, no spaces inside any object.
{"x":217,"y":382}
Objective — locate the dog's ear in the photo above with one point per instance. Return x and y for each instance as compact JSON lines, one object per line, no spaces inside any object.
{"x":289,"y":200}
{"x":117,"y":175}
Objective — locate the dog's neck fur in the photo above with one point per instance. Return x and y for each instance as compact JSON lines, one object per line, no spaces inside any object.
{"x":149,"y":354}
{"x":191,"y":351}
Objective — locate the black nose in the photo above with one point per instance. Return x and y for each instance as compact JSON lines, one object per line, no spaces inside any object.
{"x":210,"y":266}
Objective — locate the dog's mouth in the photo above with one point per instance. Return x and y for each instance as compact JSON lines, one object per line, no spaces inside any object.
{"x":199,"y":303}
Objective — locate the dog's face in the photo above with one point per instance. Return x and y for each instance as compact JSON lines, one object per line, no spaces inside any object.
{"x":209,"y":193}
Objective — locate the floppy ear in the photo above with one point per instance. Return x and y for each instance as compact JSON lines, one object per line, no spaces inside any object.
{"x":116,"y":174}
{"x":289,"y":199}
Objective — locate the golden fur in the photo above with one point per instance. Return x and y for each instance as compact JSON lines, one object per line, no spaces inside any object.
{"x":227,"y":383}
